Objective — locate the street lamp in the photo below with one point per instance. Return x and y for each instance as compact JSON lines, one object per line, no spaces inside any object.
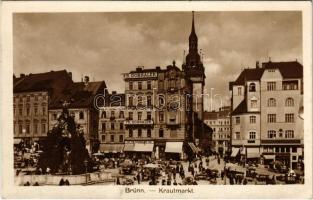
{"x":86,"y":164}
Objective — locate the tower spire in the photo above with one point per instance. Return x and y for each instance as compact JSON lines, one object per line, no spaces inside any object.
{"x":193,"y":22}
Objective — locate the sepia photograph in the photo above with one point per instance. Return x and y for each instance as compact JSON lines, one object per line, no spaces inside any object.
{"x":184,"y":98}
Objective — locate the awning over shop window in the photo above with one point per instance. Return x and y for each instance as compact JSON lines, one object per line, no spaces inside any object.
{"x":111,"y":148}
{"x":174,"y":147}
{"x":269,"y":157}
{"x":253,"y":152}
{"x":129,"y":147}
{"x":17,"y":140}
{"x":234,"y":152}
{"x":141,"y":147}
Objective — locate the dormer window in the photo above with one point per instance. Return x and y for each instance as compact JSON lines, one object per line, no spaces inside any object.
{"x":252,"y":87}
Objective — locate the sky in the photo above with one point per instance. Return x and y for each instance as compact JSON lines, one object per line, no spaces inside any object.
{"x":105,"y":45}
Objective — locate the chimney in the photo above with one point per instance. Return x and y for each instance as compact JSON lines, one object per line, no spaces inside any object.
{"x":158,"y":68}
{"x":139,"y":68}
{"x":257,"y":65}
{"x":86,"y":80}
{"x":22,"y":75}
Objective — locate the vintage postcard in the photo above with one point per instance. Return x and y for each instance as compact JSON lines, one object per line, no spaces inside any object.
{"x":156,"y":100}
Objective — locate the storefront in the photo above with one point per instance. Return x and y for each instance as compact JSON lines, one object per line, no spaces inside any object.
{"x":139,"y":149}
{"x":111,"y":150}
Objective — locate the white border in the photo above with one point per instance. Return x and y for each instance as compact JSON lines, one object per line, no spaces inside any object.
{"x":201,"y":191}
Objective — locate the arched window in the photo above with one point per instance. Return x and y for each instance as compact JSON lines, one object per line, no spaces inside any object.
{"x":289,"y":102}
{"x":271,"y":134}
{"x":271,"y":102}
{"x":252,"y":87}
{"x":81,"y":115}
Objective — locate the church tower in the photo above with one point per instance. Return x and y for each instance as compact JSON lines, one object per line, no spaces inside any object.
{"x":194,"y":70}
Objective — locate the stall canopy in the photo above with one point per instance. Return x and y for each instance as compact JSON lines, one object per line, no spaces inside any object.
{"x":139,"y":147}
{"x":253,"y":153}
{"x":174,"y":147}
{"x":269,"y":157}
{"x":234,"y":152}
{"x":111,"y":148}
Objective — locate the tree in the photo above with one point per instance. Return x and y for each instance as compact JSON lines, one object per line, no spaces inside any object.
{"x":64,"y":148}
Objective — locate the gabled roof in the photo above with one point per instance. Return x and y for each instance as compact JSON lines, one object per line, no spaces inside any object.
{"x":291,"y":69}
{"x":80,"y":95}
{"x":252,"y":74}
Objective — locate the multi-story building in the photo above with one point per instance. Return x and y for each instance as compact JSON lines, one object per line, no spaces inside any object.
{"x":219,"y":121}
{"x":81,"y":99}
{"x":111,"y":124}
{"x":32,"y":96}
{"x":266,"y":102}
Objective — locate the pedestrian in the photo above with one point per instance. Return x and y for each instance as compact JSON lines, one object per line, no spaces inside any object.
{"x":174,"y":174}
{"x":118,"y":181}
{"x":61,"y":182}
{"x":222,"y":174}
{"x":218,"y":160}
{"x":245,"y":181}
{"x":138,"y":178}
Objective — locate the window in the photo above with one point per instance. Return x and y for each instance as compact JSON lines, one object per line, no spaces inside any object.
{"x":271,"y":134}
{"x":149,"y":85}
{"x":148,"y":115}
{"x":294,"y":149}
{"x":161,"y":133}
{"x":271,"y":86}
{"x":290,"y":85}
{"x":121,"y":126}
{"x":81,"y":115}
{"x":121,"y":114}
{"x":139,"y":116}
{"x":149,"y":101}
{"x":239,"y":91}
{"x":130,"y":116}
{"x":130,"y":85}
{"x":28,"y":99}
{"x":43,"y":110}
{"x":148,"y":133}
{"x":36,"y":110}
{"x":140,"y":100}
{"x":271,"y":118}
{"x":36,"y":98}
{"x":237,"y":120}
{"x":54,"y":116}
{"x":161,"y":116}
{"x":130,"y":133}
{"x":139,"y":132}
{"x":103,"y":114}
{"x":121,"y":138}
{"x":252,"y":119}
{"x":27,"y":128}
{"x":237,"y":136}
{"x":130,"y":101}
{"x":112,"y":126}
{"x":254,"y":103}
{"x":103,"y":127}
{"x":271,"y":102}
{"x":20,"y":111}
{"x":139,"y":85}
{"x":161,"y":101}
{"x":289,"y":134}
{"x":27,"y":111}
{"x":43,"y":128}
{"x":289,"y":118}
{"x":252,"y":87}
{"x":20,"y":129}
{"x":289,"y":102}
{"x":112,"y":138}
{"x":103,"y":138}
{"x":252,"y":135}
{"x":112,"y":113}
{"x":280,"y":133}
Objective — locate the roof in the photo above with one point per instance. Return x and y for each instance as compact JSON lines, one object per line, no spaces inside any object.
{"x":41,"y":81}
{"x":291,"y":69}
{"x":252,"y":74}
{"x":241,"y":108}
{"x":210,"y":115}
{"x":80,"y":95}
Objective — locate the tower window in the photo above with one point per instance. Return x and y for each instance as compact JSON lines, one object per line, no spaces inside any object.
{"x":81,"y":115}
{"x":252,"y":87}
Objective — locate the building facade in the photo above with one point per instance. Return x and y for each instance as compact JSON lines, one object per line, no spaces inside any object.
{"x":266,"y":124}
{"x":219,"y":121}
{"x":32,"y":96}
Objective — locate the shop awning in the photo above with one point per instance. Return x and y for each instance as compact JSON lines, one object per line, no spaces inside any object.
{"x":269,"y":157}
{"x":141,"y":147}
{"x":129,"y":147}
{"x":17,"y":140}
{"x":174,"y":147}
{"x":111,"y":148}
{"x":234,"y":152}
{"x":253,"y":153}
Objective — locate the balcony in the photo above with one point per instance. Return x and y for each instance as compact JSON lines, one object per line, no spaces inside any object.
{"x":138,"y":123}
